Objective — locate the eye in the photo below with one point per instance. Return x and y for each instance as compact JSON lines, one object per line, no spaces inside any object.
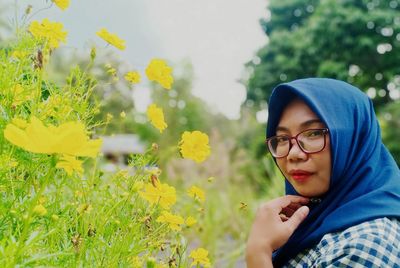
{"x":281,"y":139}
{"x":314,"y":133}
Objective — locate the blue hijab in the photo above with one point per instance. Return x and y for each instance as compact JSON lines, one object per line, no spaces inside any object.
{"x":365,"y":180}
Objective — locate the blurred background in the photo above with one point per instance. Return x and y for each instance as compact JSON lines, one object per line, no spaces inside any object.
{"x":227,"y":57}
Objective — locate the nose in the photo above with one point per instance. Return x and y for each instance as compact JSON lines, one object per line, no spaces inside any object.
{"x":295,"y":153}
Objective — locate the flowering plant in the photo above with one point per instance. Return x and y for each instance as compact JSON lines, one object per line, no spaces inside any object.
{"x":59,"y":206}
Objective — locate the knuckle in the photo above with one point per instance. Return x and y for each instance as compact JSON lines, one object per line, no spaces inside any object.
{"x":264,"y":208}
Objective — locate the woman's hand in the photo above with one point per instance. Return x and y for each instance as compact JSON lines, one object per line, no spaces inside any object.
{"x":274,"y":223}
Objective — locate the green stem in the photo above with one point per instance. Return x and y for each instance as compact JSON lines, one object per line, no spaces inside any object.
{"x":28,"y":221}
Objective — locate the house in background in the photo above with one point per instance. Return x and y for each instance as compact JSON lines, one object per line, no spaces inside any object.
{"x":117,"y":148}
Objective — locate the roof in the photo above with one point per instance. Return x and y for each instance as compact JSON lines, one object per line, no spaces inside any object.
{"x":122,"y":144}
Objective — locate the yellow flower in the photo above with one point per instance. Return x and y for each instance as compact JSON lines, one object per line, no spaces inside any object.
{"x":243,"y":206}
{"x":161,"y":192}
{"x":122,"y":114}
{"x":109,"y":117}
{"x":12,"y":163}
{"x":190,"y":221}
{"x":156,"y":117}
{"x":154,"y":146}
{"x":19,"y":54}
{"x":137,"y":186}
{"x":42,"y":200}
{"x":159,"y":71}
{"x":70,"y":164}
{"x":69,"y":138}
{"x":110,"y":70}
{"x":7,"y":162}
{"x":133,"y":77}
{"x":21,"y":95}
{"x":154,"y":171}
{"x":51,"y":31}
{"x":136,"y":262}
{"x":55,"y":217}
{"x":40,"y":210}
{"x":112,"y":39}
{"x":151,"y":262}
{"x":56,"y":106}
{"x":200,"y":257}
{"x":174,"y":221}
{"x":62,"y":4}
{"x":21,"y":123}
{"x":194,"y":145}
{"x":196,"y":193}
{"x":84,"y":208}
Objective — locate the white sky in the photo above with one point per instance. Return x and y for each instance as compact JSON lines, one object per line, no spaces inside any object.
{"x":217,"y":36}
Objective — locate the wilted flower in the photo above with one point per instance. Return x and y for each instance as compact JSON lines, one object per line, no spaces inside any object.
{"x":112,"y":39}
{"x":194,"y":145}
{"x":154,"y":146}
{"x":159,"y":71}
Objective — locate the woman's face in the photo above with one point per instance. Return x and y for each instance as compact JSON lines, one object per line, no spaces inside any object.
{"x":309,"y":174}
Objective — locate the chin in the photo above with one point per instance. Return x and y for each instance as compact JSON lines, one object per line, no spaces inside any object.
{"x":309,"y":192}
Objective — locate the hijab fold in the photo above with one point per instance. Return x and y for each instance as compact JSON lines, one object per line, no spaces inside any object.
{"x":365,"y":180}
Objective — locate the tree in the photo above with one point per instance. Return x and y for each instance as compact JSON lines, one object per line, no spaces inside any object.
{"x":357,"y":41}
{"x":390,"y":123}
{"x":352,"y":40}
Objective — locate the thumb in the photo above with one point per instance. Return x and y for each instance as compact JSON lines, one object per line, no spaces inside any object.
{"x":297,"y":217}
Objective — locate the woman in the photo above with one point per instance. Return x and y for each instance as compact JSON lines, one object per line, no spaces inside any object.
{"x":342,"y":203}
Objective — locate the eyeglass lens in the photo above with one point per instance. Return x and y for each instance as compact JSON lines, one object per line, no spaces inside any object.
{"x":310,"y":141}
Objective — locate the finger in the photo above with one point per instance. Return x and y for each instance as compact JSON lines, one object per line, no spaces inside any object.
{"x":294,"y":221}
{"x":283,"y":217}
{"x":286,"y":200}
{"x":288,"y":211}
{"x":294,"y":206}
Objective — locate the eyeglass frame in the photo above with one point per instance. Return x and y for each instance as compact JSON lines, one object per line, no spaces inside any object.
{"x":325,"y":132}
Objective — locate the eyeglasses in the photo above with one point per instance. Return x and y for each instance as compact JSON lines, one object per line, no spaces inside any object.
{"x":310,"y":141}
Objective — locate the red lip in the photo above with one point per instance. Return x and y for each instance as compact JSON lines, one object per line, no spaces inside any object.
{"x":300,"y":175}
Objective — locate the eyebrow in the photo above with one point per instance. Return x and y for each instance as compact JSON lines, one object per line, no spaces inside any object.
{"x":304,"y":124}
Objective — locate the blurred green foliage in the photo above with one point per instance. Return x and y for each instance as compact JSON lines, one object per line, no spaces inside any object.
{"x":390,"y":125}
{"x":357,"y":41}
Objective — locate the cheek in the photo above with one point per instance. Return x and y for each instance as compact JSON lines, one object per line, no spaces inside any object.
{"x":326,"y":166}
{"x":281,"y":164}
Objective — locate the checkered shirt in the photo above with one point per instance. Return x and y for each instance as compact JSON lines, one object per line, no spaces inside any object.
{"x":373,"y":243}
